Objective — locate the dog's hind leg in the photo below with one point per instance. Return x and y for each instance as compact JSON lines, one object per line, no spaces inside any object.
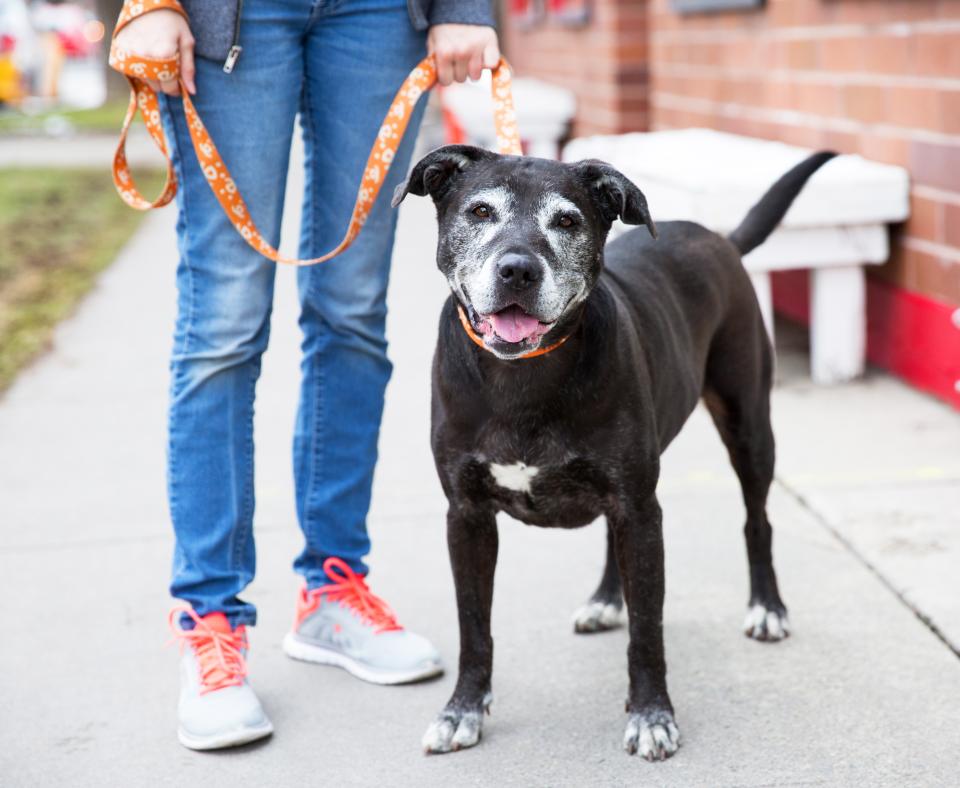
{"x":602,"y":610}
{"x":737,"y":394}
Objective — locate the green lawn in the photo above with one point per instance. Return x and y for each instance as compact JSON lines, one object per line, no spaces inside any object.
{"x":59,"y":229}
{"x":107,"y":118}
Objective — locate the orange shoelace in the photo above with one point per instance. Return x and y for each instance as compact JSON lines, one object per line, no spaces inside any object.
{"x":351,"y":591}
{"x":219,"y":650}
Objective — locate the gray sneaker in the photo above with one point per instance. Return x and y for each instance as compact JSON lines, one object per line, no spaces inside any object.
{"x":217,"y":707}
{"x":345,"y":624}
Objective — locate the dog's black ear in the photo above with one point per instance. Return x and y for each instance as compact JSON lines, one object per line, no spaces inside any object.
{"x":616,"y":195}
{"x":434,"y":173}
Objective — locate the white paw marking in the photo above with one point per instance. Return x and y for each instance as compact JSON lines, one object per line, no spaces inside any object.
{"x":596,"y":617}
{"x":439,"y":736}
{"x":653,"y":737}
{"x":764,"y":624}
{"x":516,"y":477}
{"x":454,"y":730}
{"x":468,"y":731}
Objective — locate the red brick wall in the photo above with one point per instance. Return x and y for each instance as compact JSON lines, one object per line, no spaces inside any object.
{"x":875,"y":77}
{"x":604,"y":63}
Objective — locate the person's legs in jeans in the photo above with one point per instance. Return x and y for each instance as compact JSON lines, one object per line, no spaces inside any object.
{"x":358,"y":52}
{"x":225,"y":294}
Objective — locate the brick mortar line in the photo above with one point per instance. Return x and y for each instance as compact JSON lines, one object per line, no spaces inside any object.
{"x":807,"y":506}
{"x":807,"y":32}
{"x":806,"y":76}
{"x":795,"y":118}
{"x":936,"y":195}
{"x":933,"y":248}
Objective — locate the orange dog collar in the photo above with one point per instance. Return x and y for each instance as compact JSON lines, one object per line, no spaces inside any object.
{"x":143,"y":98}
{"x":478,"y":340}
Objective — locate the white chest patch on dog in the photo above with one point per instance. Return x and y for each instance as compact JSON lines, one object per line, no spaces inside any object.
{"x":517,"y":476}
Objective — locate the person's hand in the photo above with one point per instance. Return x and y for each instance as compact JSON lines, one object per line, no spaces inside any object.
{"x":161,"y":34}
{"x":462,"y":51}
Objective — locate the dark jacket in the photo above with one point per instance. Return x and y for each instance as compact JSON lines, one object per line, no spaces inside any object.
{"x":215,"y":23}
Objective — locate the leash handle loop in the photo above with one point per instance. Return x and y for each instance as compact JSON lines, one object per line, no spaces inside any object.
{"x":137,"y":69}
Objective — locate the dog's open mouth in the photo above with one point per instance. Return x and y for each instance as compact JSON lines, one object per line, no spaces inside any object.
{"x":511,"y":325}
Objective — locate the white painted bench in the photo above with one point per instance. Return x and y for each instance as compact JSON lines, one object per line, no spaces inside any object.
{"x":837,"y":225}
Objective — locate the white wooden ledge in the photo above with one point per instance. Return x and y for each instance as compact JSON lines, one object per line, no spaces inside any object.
{"x":837,"y":225}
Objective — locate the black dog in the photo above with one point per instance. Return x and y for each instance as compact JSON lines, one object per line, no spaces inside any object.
{"x":635,"y":334}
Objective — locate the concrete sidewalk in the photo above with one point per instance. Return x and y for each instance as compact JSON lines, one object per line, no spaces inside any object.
{"x":77,"y":150}
{"x":863,"y":694}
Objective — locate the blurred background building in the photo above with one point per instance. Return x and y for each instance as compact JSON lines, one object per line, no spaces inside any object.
{"x":51,"y":54}
{"x":880,"y":78}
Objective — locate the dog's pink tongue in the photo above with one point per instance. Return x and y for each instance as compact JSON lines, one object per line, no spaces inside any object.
{"x":513,"y":324}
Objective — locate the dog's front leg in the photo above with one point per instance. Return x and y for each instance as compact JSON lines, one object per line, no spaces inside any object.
{"x":472,"y":540}
{"x":638,"y":534}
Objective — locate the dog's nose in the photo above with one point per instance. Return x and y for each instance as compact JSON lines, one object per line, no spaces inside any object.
{"x":519,"y":271}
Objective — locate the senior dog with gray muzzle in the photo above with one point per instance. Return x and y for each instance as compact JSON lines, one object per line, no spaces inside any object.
{"x":563,"y":369}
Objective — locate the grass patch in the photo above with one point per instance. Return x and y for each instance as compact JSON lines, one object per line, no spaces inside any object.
{"x":107,"y":118}
{"x":60,"y":228}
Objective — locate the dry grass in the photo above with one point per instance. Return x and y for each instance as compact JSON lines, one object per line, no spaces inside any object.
{"x":58,"y":230}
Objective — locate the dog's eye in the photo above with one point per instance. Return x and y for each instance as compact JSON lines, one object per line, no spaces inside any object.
{"x":565,"y":220}
{"x":482,"y":211}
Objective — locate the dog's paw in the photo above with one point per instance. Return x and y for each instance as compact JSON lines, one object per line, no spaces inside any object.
{"x":455,"y":729}
{"x":596,"y":616}
{"x":652,"y":735}
{"x":765,"y":624}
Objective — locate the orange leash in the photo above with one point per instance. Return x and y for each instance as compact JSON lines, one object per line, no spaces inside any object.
{"x":143,"y":98}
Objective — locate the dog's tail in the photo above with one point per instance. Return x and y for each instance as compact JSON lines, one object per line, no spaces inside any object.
{"x":766,"y":214}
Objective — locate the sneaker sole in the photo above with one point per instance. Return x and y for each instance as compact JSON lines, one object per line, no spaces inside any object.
{"x":296,"y":648}
{"x":223,"y":740}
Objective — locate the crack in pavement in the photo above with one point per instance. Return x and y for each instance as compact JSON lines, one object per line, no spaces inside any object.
{"x":803,"y":502}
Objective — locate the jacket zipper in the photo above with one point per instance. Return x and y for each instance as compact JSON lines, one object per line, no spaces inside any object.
{"x":235,"y":49}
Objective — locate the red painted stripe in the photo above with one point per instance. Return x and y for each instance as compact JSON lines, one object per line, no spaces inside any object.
{"x":915,"y":337}
{"x":791,"y":295}
{"x":910,"y":335}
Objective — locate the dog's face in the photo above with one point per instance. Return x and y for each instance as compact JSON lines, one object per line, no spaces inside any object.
{"x":521,"y":239}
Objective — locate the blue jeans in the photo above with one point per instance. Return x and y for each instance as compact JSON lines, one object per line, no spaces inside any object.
{"x":338,"y":63}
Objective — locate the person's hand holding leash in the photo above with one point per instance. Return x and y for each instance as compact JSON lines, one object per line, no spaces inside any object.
{"x":468,"y":49}
{"x":462,"y":51}
{"x":161,"y":34}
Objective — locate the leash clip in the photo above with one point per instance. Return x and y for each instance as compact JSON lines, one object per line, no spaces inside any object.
{"x":232,"y":57}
